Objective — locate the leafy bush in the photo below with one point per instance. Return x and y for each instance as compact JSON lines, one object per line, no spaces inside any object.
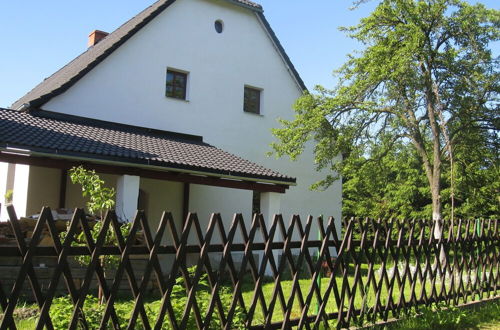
{"x":100,"y":197}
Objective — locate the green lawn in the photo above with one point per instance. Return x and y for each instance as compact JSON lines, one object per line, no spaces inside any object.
{"x":364,"y":298}
{"x":361,"y":301}
{"x":483,"y":316}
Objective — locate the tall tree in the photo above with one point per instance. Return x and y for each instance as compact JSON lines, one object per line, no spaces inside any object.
{"x":426,"y":76}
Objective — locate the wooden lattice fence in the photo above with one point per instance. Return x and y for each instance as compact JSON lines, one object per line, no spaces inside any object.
{"x":309,"y":273}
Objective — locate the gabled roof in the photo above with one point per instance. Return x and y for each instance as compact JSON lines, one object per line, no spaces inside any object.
{"x":66,"y":136}
{"x":68,"y":75}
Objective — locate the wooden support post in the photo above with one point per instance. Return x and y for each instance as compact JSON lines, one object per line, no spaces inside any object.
{"x":185,"y":202}
{"x":62,"y":188}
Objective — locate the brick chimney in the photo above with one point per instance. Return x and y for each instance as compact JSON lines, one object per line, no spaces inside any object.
{"x":96,"y":36}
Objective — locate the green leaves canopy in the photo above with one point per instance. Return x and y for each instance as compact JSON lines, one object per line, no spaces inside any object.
{"x":426,"y":80}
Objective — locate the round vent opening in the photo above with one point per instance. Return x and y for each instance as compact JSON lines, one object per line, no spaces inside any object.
{"x":219,"y":26}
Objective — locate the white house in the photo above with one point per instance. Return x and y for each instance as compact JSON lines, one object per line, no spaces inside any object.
{"x":213,"y":72}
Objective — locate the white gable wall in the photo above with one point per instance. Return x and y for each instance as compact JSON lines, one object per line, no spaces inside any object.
{"x":129,"y":87}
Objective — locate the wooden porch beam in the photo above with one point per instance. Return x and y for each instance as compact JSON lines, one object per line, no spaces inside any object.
{"x":65,"y":164}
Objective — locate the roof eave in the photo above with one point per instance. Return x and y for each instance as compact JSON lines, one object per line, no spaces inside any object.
{"x":34,"y":153}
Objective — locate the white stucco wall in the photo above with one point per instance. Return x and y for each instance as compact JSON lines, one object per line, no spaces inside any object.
{"x":3,"y":189}
{"x":126,"y":197}
{"x":20,"y":195}
{"x":129,"y":87}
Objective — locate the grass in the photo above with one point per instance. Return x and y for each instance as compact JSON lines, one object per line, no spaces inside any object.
{"x":26,"y":324}
{"x":361,"y":301}
{"x":366,"y":300}
{"x":481,"y":316}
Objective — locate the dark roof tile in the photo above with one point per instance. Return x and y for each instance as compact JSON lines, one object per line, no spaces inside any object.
{"x":51,"y":133}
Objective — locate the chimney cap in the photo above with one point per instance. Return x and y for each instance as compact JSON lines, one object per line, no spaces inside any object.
{"x":96,"y":36}
{"x":100,"y":32}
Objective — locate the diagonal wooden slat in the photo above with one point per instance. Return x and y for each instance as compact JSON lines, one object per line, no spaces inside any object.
{"x":328,"y":236}
{"x":269,"y":237}
{"x":338,"y":265}
{"x":152,"y":261}
{"x":188,"y":283}
{"x":62,"y":264}
{"x":166,"y":305}
{"x":295,"y":268}
{"x":4,"y":301}
{"x":357,"y":274}
{"x":204,"y":242}
{"x":26,"y":268}
{"x":125,"y":260}
{"x":95,"y":250}
{"x":258,"y":295}
{"x":314,"y":267}
{"x":216,"y":284}
{"x":236,"y":275}
{"x":411,"y":271}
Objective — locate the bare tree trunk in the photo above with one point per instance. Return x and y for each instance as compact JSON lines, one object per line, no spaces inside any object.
{"x":433,"y":112}
{"x":436,"y":211}
{"x":437,"y":218}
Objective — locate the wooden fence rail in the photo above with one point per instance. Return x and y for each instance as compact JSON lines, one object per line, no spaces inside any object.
{"x":277,"y":275}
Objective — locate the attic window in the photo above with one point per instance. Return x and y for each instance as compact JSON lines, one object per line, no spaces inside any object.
{"x":219,"y":26}
{"x":176,"y":84}
{"x":251,"y":100}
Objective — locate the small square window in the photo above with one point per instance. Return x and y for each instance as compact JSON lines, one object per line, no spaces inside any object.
{"x":176,"y":84}
{"x":251,"y":100}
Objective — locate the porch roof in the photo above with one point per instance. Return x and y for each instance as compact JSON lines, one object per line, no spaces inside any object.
{"x":44,"y":134}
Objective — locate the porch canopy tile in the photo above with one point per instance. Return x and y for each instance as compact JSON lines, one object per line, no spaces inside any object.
{"x":55,"y":135}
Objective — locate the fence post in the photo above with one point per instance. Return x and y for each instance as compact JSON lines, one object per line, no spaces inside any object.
{"x":318,"y":281}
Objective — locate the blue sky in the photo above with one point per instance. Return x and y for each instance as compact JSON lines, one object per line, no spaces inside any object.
{"x":41,"y":36}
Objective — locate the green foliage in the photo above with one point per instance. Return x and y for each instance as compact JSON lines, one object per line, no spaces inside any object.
{"x":9,"y":195}
{"x":444,"y":317}
{"x":425,"y":87}
{"x":439,"y":317}
{"x":100,"y":197}
{"x":110,"y":240}
{"x":393,"y":185}
{"x":61,"y":311}
{"x":203,"y":297}
{"x":477,"y":171}
{"x":62,"y":308}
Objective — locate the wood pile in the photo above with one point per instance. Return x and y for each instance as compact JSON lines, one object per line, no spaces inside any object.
{"x":62,"y":218}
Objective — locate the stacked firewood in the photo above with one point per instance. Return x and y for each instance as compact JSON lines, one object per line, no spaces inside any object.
{"x":62,"y":218}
